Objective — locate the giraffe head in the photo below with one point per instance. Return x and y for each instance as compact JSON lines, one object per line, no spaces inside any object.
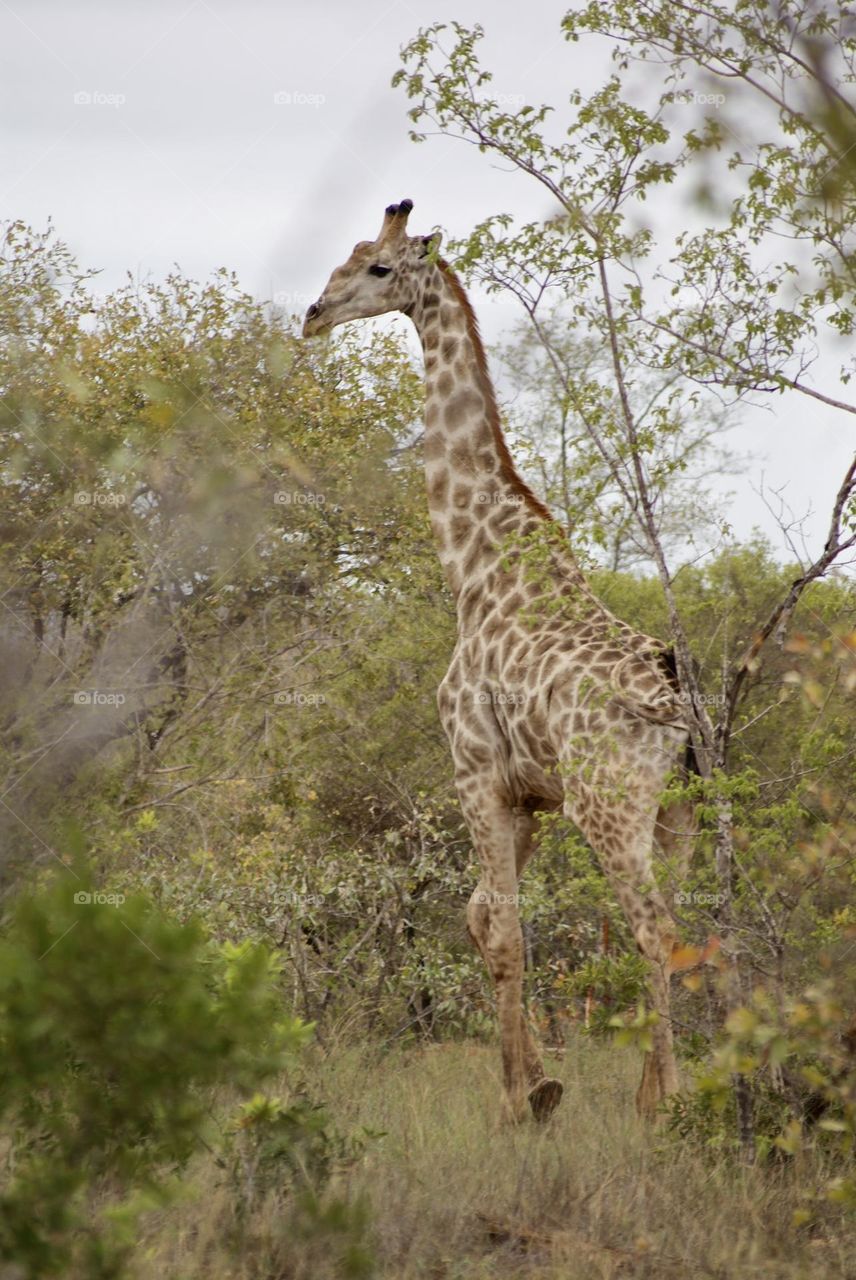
{"x":381,"y":275}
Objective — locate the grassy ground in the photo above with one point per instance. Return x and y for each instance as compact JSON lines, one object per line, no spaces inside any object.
{"x":452,"y":1197}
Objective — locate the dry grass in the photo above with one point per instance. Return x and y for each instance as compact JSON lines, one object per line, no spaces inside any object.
{"x":592,"y":1194}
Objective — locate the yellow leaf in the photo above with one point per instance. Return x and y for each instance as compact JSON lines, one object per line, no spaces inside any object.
{"x":814,"y":692}
{"x":684,"y":958}
{"x":740,"y":1022}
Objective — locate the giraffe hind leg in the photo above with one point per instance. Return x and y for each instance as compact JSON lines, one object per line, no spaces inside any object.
{"x":622,"y":834}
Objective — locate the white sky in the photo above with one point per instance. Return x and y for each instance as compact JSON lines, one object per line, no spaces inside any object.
{"x":200,"y":167}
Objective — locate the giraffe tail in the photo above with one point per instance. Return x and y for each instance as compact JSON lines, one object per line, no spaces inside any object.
{"x":641,"y":684}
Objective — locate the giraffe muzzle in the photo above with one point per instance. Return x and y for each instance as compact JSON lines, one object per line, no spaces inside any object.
{"x":313,"y":324}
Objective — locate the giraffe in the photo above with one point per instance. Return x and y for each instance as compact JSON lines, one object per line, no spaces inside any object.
{"x":550,"y":702}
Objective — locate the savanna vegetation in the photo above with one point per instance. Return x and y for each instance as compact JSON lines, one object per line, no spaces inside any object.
{"x":243,"y":1031}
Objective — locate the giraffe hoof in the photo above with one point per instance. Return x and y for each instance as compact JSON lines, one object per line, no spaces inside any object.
{"x":544,"y":1097}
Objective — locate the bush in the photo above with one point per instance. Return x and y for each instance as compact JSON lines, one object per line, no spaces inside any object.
{"x":614,"y":982}
{"x":117,"y":1026}
{"x":282,"y":1154}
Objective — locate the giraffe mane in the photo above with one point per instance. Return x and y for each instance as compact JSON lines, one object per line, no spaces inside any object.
{"x":507,"y":468}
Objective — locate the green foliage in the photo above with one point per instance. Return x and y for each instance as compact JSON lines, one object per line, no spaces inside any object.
{"x":284,"y":1154}
{"x":746,"y":110}
{"x":799,"y":1055}
{"x":614,"y":983}
{"x":224,"y":623}
{"x":706,"y":1116}
{"x":636,"y":1028}
{"x":187,"y":487}
{"x":117,"y":1028}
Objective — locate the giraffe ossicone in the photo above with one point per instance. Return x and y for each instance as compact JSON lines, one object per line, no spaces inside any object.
{"x":550,"y":702}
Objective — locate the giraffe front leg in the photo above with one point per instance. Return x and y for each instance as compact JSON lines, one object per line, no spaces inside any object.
{"x":494,"y":925}
{"x":543,"y":1093}
{"x":505,"y":958}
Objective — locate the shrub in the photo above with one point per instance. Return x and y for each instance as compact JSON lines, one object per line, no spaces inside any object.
{"x":116,"y":1027}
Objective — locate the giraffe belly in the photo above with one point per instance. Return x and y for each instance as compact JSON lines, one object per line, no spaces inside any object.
{"x":529,"y":780}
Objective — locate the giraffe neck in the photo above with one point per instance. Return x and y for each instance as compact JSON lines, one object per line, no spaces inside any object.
{"x":478,"y":503}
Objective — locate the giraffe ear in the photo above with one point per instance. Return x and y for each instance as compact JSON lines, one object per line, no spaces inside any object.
{"x":431,"y":244}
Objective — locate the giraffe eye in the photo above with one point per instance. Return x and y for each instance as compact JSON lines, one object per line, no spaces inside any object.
{"x":377,"y":270}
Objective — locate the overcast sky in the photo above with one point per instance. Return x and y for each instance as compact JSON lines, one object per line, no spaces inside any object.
{"x":265,"y":137}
